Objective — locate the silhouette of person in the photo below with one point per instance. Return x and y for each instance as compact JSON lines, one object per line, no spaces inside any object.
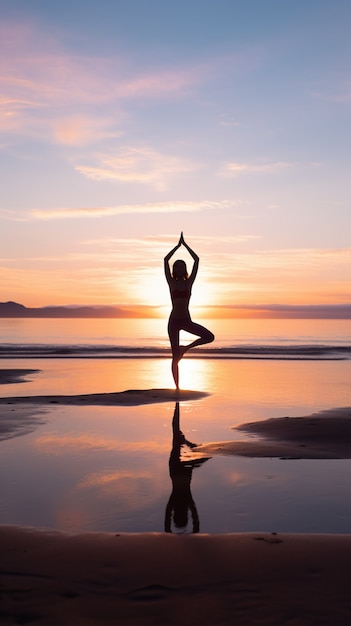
{"x":180,"y":284}
{"x":181,"y":501}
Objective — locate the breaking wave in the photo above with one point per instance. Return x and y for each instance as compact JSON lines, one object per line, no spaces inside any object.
{"x":297,"y":352}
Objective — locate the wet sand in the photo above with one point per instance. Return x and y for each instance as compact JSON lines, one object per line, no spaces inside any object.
{"x":132,"y":397}
{"x":324,"y":435}
{"x":96,"y":579}
{"x":9,"y":376}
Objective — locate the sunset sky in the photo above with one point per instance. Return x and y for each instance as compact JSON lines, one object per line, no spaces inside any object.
{"x":124,"y":122}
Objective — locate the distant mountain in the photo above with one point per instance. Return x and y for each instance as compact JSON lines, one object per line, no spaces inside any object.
{"x":13,"y":309}
{"x":270,"y":311}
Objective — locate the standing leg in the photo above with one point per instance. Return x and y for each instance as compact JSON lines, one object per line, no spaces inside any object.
{"x":173,"y":333}
{"x":175,"y":372}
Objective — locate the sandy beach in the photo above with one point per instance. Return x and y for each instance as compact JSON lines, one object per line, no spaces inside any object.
{"x":53,"y":578}
{"x":96,"y":579}
{"x":324,"y":435}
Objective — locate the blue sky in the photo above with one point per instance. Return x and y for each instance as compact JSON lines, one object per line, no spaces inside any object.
{"x":124,"y":122}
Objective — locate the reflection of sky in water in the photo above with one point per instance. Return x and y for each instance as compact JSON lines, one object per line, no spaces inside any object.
{"x":106,"y":468}
{"x":251,"y":385}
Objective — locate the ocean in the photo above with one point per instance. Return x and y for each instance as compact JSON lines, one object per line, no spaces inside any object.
{"x":107,"y":468}
{"x":235,"y":338}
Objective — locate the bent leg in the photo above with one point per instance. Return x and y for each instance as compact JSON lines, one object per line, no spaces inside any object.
{"x":174,"y":326}
{"x":204,"y":336}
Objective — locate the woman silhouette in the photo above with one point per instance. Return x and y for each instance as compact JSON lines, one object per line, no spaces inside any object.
{"x":180,"y":284}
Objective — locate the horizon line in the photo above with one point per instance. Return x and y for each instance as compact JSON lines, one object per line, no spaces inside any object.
{"x":13,"y":309}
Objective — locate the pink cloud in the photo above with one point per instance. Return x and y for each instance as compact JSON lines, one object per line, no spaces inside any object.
{"x":38,"y":73}
{"x":81,"y":130}
{"x":136,"y":164}
{"x":55,"y":94}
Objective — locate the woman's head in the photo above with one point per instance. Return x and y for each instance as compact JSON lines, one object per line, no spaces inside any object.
{"x":179,"y":269}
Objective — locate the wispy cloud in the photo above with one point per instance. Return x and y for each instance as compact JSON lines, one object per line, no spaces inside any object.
{"x":45,"y":86}
{"x":38,"y":75}
{"x":233,"y":271}
{"x":75,"y":130}
{"x":294,"y":261}
{"x":123,"y":209}
{"x":49,"y":74}
{"x":237,"y":168}
{"x":137,"y":165}
{"x":281,"y":275}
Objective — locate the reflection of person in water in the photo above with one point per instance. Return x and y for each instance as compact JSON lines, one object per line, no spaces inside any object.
{"x":181,"y":500}
{"x":180,"y":284}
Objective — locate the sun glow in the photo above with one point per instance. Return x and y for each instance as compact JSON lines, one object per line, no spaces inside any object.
{"x":194,"y":374}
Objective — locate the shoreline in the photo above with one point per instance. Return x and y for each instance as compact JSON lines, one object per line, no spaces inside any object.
{"x":99,"y":579}
{"x":322,"y":435}
{"x":10,"y":376}
{"x":129,"y":397}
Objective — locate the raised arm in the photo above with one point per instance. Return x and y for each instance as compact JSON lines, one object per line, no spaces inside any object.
{"x":167,"y":259}
{"x":194,"y":257}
